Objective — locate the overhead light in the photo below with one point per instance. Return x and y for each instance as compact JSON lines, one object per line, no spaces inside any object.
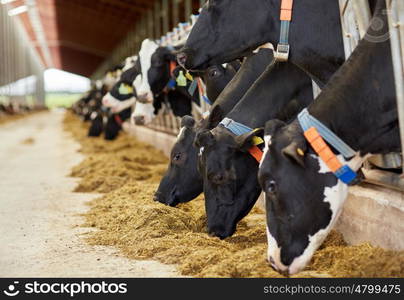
{"x":18,"y":10}
{"x":7,"y":1}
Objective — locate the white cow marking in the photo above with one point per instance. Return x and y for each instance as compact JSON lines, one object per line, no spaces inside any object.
{"x":267,"y":140}
{"x":182,"y":130}
{"x":130,"y":62}
{"x":146,"y":51}
{"x":336,"y":197}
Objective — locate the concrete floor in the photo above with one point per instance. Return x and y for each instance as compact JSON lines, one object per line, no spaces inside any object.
{"x":39,"y":232}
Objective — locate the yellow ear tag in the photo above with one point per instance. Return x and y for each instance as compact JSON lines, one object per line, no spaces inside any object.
{"x":256,"y":140}
{"x":189,"y":76}
{"x":125,"y":89}
{"x":181,"y":80}
{"x":300,"y":152}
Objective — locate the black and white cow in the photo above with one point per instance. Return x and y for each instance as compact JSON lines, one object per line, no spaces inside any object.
{"x":121,"y":98}
{"x":303,"y":197}
{"x":228,"y":29}
{"x":182,"y":181}
{"x":159,"y":71}
{"x":229,"y":171}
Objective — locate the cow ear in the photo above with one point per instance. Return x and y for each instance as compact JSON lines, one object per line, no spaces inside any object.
{"x":272,"y":126}
{"x":296,"y":151}
{"x":188,"y":122}
{"x":247,"y":140}
{"x":204,"y":139}
{"x":215,"y":116}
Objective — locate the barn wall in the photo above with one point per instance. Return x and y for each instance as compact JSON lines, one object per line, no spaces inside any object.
{"x":18,"y":59}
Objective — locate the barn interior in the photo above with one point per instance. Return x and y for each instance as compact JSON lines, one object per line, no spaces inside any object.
{"x":87,"y":38}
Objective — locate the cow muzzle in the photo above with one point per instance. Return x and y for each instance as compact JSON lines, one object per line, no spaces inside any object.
{"x":171,"y":200}
{"x":139,"y":120}
{"x":185,"y":58}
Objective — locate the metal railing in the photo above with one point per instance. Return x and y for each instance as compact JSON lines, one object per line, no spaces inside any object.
{"x":18,"y":60}
{"x":355,"y":19}
{"x":395,"y":10}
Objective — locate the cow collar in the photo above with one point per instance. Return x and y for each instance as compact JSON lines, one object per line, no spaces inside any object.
{"x":315,"y":133}
{"x":118,"y":119}
{"x":282,"y":50}
{"x":239,"y":129}
{"x":202,"y":91}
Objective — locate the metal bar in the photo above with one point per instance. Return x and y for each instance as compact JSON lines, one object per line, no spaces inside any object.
{"x":165,"y":14}
{"x":396,"y":23}
{"x":157,"y":19}
{"x":175,"y":11}
{"x":382,"y":178}
{"x":187,"y":9}
{"x":150,"y":25}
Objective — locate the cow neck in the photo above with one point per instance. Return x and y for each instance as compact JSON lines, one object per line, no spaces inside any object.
{"x":317,"y":54}
{"x":359,"y":104}
{"x":249,"y":72}
{"x":271,"y":94}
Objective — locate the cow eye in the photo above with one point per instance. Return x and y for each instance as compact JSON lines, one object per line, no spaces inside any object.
{"x":177,"y":156}
{"x":271,"y":186}
{"x":213,"y":73}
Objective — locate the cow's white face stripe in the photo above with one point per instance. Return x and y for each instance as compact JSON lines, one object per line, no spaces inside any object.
{"x":201,"y":151}
{"x":129,"y":62}
{"x":267,"y":140}
{"x":146,"y":51}
{"x":146,"y":110}
{"x":180,"y":134}
{"x":274,"y":252}
{"x":138,"y":81}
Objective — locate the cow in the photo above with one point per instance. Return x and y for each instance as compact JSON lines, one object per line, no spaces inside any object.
{"x":303,"y":196}
{"x":228,"y":168}
{"x":121,"y":98}
{"x":182,"y":181}
{"x":158,"y":84}
{"x":219,"y":37}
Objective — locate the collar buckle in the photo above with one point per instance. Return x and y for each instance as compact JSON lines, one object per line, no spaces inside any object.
{"x":282,"y":52}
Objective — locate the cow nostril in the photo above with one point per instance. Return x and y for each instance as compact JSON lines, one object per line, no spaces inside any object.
{"x":139,"y":120}
{"x":218,"y":178}
{"x":182,"y":58}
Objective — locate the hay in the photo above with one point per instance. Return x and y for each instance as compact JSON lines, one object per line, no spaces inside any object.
{"x":127,"y":218}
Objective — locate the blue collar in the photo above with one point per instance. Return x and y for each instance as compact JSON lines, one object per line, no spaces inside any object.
{"x":235,"y":127}
{"x":344,"y":173}
{"x":306,"y":121}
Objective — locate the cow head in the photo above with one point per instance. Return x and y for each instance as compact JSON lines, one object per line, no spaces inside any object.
{"x":122,"y":94}
{"x":112,"y":128}
{"x":226,"y":30}
{"x":144,"y":112}
{"x":229,"y":175}
{"x":303,"y":197}
{"x":182,"y":181}
{"x":216,"y":79}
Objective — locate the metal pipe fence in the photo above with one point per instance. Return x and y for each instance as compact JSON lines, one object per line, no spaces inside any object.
{"x":18,"y":60}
